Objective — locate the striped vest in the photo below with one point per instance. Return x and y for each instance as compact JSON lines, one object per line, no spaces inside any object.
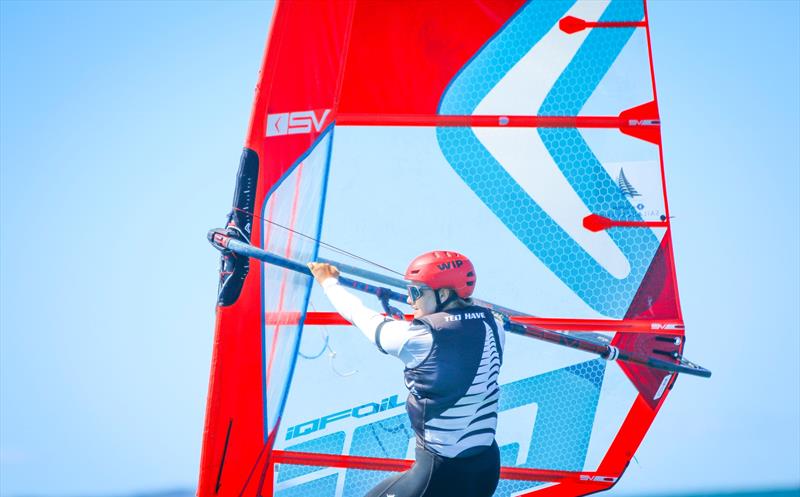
{"x":453,"y":394}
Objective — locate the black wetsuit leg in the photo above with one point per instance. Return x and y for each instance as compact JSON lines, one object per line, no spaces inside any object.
{"x":435,"y":476}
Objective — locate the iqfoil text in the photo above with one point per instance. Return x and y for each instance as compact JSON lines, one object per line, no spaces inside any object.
{"x":361,"y":411}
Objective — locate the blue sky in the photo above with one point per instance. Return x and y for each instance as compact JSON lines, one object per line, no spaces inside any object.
{"x":121,"y":126}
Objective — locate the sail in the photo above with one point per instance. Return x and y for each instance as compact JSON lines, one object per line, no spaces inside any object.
{"x":523,"y":134}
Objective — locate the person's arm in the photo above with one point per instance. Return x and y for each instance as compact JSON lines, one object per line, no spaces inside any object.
{"x":352,"y":309}
{"x":402,"y":339}
{"x":408,"y":342}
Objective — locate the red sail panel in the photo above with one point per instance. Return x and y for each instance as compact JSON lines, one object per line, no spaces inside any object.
{"x":402,"y":55}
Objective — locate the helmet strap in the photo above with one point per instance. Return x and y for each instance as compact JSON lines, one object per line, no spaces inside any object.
{"x":440,"y":305}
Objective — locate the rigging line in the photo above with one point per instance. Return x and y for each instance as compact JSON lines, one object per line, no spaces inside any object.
{"x":325,"y":345}
{"x":331,"y":352}
{"x":318,"y":354}
{"x":324,"y":244}
{"x":331,"y":357}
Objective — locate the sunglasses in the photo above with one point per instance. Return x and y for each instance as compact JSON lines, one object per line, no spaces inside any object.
{"x":415,"y":291}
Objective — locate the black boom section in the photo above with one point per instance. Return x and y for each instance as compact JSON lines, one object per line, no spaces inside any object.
{"x":234,"y":268}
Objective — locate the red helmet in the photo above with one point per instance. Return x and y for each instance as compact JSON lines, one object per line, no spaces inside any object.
{"x":442,"y":269}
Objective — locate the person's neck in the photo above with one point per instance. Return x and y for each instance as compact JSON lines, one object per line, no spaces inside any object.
{"x":456,"y":304}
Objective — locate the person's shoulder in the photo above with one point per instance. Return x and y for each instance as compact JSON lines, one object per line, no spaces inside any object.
{"x":477,"y":308}
{"x":421,"y":323}
{"x":498,"y":318}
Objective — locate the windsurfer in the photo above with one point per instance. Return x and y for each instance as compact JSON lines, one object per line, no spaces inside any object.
{"x":452,"y":352}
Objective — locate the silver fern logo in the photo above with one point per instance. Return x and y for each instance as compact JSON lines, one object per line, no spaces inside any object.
{"x":625,"y":186}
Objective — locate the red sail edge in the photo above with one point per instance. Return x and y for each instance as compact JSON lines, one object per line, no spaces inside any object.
{"x":294,"y":78}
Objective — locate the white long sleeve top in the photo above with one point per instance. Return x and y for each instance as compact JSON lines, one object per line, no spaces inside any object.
{"x":409,"y":342}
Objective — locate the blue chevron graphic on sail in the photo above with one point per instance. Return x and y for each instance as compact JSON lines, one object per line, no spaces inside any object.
{"x":502,"y":194}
